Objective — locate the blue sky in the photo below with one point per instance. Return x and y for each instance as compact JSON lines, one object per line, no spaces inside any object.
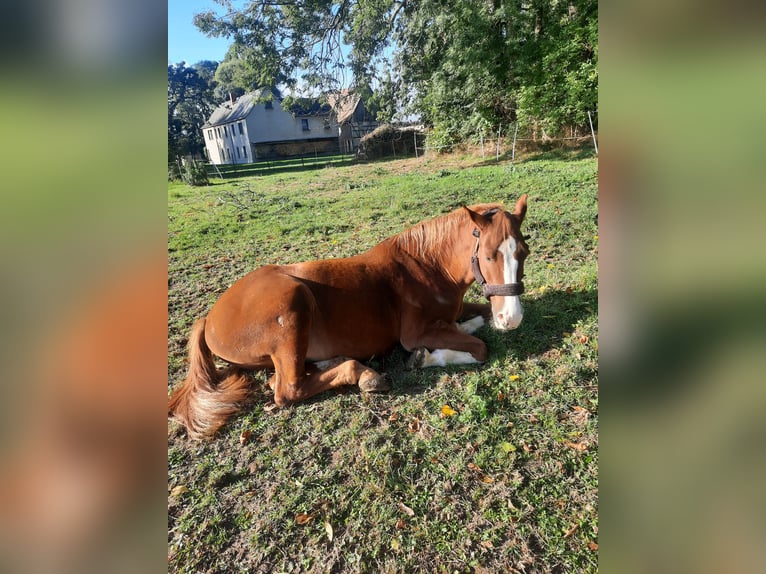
{"x":185,"y":42}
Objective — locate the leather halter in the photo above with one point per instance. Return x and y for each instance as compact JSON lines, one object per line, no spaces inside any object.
{"x":504,"y":290}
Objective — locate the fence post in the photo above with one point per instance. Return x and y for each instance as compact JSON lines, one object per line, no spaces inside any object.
{"x":513,"y":150}
{"x":497,"y":152}
{"x":592,"y":133}
{"x":415,"y":139}
{"x":481,"y":137}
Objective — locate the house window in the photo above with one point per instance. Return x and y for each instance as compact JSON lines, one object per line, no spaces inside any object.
{"x":268,"y":105}
{"x":241,"y":129}
{"x":238,"y":154}
{"x":244,"y":150}
{"x":305,"y":125}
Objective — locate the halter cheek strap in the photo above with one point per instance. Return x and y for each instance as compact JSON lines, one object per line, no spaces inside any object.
{"x":504,"y":290}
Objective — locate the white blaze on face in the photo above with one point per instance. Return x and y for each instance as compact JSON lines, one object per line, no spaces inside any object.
{"x":510,"y":314}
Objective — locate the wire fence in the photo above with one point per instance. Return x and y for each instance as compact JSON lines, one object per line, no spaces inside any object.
{"x":508,"y":140}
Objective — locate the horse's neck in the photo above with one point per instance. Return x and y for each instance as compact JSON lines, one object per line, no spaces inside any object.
{"x":448,"y":257}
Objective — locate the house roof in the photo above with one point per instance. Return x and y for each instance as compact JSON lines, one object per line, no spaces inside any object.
{"x":344,"y":103}
{"x":230,"y":112}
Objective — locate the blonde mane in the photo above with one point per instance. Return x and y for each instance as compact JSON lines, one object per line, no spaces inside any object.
{"x":426,"y":240}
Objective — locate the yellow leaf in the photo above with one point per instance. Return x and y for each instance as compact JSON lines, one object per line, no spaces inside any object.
{"x":395,"y":544}
{"x":507,"y":447}
{"x":179,"y":490}
{"x":515,"y":377}
{"x":595,"y":237}
{"x":448,"y":411}
{"x":328,"y":529}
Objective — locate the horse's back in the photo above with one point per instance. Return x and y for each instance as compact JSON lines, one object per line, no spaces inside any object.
{"x":330,"y":308}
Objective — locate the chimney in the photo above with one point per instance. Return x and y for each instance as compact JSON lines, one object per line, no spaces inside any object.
{"x":231,"y":98}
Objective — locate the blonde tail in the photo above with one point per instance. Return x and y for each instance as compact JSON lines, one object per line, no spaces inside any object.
{"x":206,"y":399}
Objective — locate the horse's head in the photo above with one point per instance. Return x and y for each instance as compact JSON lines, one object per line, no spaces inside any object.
{"x":498,"y":260}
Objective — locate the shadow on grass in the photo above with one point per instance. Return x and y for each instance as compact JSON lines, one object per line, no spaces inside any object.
{"x":267,"y":167}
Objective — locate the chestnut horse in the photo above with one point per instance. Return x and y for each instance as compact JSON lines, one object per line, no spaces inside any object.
{"x":313,"y":322}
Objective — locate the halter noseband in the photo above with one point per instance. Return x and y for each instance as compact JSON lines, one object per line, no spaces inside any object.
{"x":504,"y":290}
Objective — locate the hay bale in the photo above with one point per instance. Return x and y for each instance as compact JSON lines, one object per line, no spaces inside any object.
{"x":390,"y":141}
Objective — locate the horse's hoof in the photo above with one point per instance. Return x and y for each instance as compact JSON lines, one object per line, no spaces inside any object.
{"x":417,"y":358}
{"x":374,"y":384}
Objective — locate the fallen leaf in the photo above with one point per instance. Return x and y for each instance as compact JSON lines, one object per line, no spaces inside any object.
{"x":244,"y":437}
{"x":571,"y":531}
{"x":401,"y":524}
{"x":486,"y":479}
{"x":393,"y":418}
{"x":406,"y":509}
{"x":500,"y":396}
{"x":448,"y":411}
{"x":395,"y":544}
{"x":533,"y":419}
{"x":303,"y":518}
{"x":593,"y":546}
{"x":328,"y":529}
{"x":579,"y":415}
{"x":576,"y":445}
{"x":179,"y":490}
{"x":474,"y":467}
{"x":414,"y":425}
{"x":514,"y":377}
{"x":270,"y":407}
{"x":507,"y":447}
{"x":487,"y":544}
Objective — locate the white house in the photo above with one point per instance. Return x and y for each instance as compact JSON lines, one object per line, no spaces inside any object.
{"x":255,"y":127}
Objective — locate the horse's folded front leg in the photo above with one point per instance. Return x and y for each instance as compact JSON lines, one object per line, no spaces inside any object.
{"x":422,"y":357}
{"x":443,"y":345}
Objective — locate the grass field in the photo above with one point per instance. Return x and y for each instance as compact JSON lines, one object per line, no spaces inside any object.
{"x":489,"y":468}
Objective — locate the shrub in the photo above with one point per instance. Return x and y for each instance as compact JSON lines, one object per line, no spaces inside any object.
{"x":194,"y":173}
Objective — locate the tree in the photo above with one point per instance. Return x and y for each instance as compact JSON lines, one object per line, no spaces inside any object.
{"x":190,"y":103}
{"x":461,"y":64}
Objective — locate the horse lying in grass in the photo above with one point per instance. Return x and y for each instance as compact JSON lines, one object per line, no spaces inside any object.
{"x":313,"y":322}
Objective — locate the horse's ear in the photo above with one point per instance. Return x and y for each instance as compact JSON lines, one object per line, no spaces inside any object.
{"x":479,"y":220}
{"x":521,"y":208}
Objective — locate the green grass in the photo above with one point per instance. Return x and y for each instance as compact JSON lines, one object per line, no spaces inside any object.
{"x":508,"y":482}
